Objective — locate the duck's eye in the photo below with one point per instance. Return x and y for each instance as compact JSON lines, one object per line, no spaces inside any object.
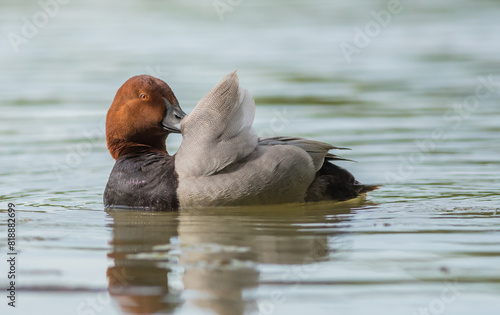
{"x":144,"y":97}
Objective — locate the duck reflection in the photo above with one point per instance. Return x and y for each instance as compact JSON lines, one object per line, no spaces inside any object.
{"x":214,"y":253}
{"x":139,"y":284}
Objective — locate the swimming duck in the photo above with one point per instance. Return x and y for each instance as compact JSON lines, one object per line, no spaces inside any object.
{"x":220,"y":162}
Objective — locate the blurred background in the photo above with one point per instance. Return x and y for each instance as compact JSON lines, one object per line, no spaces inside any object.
{"x":413,"y":87}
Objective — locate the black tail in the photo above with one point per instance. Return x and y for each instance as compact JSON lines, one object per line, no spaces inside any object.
{"x":335,"y":183}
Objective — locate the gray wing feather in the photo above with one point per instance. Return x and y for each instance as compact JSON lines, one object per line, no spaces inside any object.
{"x":218,"y":132}
{"x":316,"y":149}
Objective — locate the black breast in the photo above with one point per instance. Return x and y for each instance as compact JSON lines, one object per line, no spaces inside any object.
{"x":146,"y":181}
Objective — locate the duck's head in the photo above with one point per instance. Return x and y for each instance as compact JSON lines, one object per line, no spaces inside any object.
{"x":144,"y":112}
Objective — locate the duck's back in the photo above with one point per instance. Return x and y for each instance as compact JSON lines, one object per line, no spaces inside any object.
{"x":145,"y":180}
{"x":269,"y":175}
{"x":220,"y":161}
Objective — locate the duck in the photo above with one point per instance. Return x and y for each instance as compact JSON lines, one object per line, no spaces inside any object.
{"x":221,"y":162}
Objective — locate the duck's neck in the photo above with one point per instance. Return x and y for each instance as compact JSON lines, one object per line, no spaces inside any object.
{"x":119,"y":147}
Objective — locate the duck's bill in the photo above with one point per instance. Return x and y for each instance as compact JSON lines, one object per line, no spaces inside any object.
{"x":172,"y":120}
{"x":172,"y":129}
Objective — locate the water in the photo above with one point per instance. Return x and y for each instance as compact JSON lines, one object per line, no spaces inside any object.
{"x":427,"y":241}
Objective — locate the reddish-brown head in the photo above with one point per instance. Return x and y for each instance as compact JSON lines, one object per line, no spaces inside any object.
{"x":142,"y":115}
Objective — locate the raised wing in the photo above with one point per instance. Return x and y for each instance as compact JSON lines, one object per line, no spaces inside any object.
{"x":218,"y":132}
